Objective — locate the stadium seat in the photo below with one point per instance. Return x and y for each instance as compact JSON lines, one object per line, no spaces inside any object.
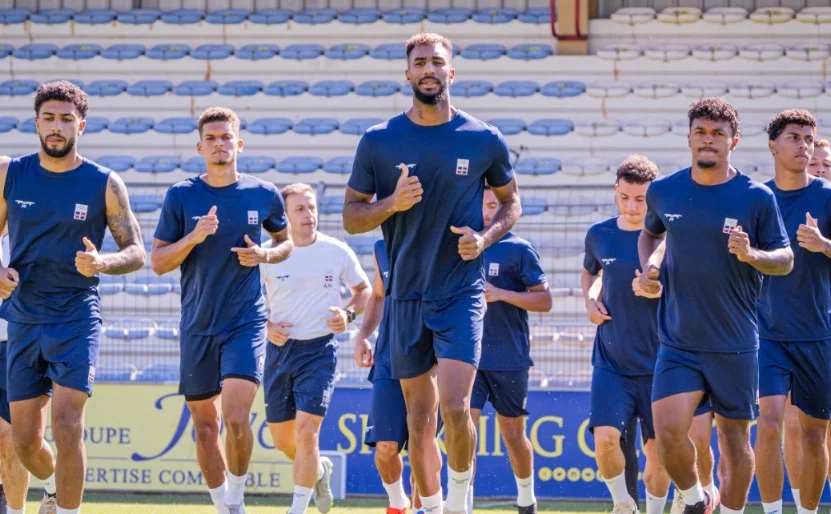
{"x":14,"y":16}
{"x":79,"y":52}
{"x":551,"y":127}
{"x":771,"y":15}
{"x":809,"y":51}
{"x":725,"y":15}
{"x":538,"y":166}
{"x":494,"y":15}
{"x":270,"y":16}
{"x":150,"y":285}
{"x":168,"y":330}
{"x":358,"y":126}
{"x":195,"y":88}
{"x":700,"y":88}
{"x":316,"y":126}
{"x":52,"y":16}
{"x":227,"y":16}
{"x":647,"y":127}
{"x":609,"y":89}
{"x":194,"y":165}
{"x":145,"y":203}
{"x":240,"y":88}
{"x":449,"y":15}
{"x":299,"y":164}
{"x":255,"y":163}
{"x":667,"y":166}
{"x":389,"y":51}
{"x":715,"y":52}
{"x":656,"y":89}
{"x":339,"y":165}
{"x":815,"y":15}
{"x":633,"y":15}
{"x":95,"y":16}
{"x":754,"y":126}
{"x":471,"y":88}
{"x":167,"y":52}
{"x":18,"y":87}
{"x":183,"y":16}
{"x":122,"y":52}
{"x":330,"y":88}
{"x":269,"y":126}
{"x":257,"y":52}
{"x":33,"y":51}
{"x":668,"y":51}
{"x":212,"y":52}
{"x":129,"y":329}
{"x":762,"y":51}
{"x":620,"y":51}
{"x":378,"y":88}
{"x":96,"y":124}
{"x":681,"y":127}
{"x":753,"y":89}
{"x":484,"y":51}
{"x":110,"y":284}
{"x":405,"y":15}
{"x":360,"y":15}
{"x":115,"y":373}
{"x":159,"y":373}
{"x":585,"y":166}
{"x":535,"y":15}
{"x":302,"y":52}
{"x":315,"y":16}
{"x":176,"y":126}
{"x":7,"y":124}
{"x":597,"y":128}
{"x":331,"y":205}
{"x":348,"y":51}
{"x":131,"y":125}
{"x":531,"y":206}
{"x":119,"y":163}
{"x":516,"y":88}
{"x":140,"y":17}
{"x":106,"y":87}
{"x":6,"y":50}
{"x":287,"y":88}
{"x":806,"y":88}
{"x":530,"y":51}
{"x":563,"y":89}
{"x":157,"y":164}
{"x":27,"y":126}
{"x":679,"y":15}
{"x":508,"y":126}
{"x":362,"y":244}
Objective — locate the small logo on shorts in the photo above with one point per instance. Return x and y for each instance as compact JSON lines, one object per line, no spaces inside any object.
{"x":253,"y":218}
{"x":327,"y":397}
{"x":91,"y":377}
{"x":462,"y":166}
{"x":493,"y":269}
{"x":80,"y":212}
{"x":261,"y":364}
{"x":729,"y":225}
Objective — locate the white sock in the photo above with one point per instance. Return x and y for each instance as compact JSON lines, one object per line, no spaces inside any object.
{"x":10,"y":510}
{"x":795,"y":493}
{"x":711,"y":489}
{"x":617,"y":486}
{"x":525,"y":491}
{"x":457,"y":485}
{"x":218,"y":497}
{"x":772,"y":507}
{"x":655,"y":504}
{"x":49,"y":484}
{"x":693,"y":495}
{"x":396,"y":494}
{"x":801,"y":510}
{"x":300,"y":501}
{"x":469,"y":502}
{"x":236,"y":489}
{"x":431,"y":504}
{"x":320,"y":469}
{"x":725,"y":510}
{"x":69,"y":511}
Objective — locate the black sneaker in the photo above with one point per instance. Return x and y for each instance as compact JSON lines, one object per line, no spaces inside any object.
{"x":708,"y":506}
{"x":531,"y":509}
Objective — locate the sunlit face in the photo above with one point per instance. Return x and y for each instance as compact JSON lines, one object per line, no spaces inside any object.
{"x":59,"y":125}
{"x":301,"y":210}
{"x":820,"y":163}
{"x":631,"y":201}
{"x":711,"y":142}
{"x":793,"y":148}
{"x":429,"y":73}
{"x":220,"y":144}
{"x":489,"y":206}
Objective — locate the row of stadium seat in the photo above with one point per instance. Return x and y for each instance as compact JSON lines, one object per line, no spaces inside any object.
{"x":258,"y":51}
{"x":486,"y":15}
{"x":760,"y":52}
{"x":722,"y":15}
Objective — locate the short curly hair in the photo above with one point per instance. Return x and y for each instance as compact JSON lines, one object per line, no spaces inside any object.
{"x":799,"y":117}
{"x":717,"y":109}
{"x":822,"y":143}
{"x":428,"y":39}
{"x":637,"y":169}
{"x":213,"y":114}
{"x":63,"y":91}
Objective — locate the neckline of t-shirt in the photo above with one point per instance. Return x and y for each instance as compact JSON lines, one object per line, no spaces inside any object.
{"x":614,"y":223}
{"x":793,"y":192}
{"x":704,"y":186}
{"x":448,"y":124}
{"x":233,"y":185}
{"x":59,"y":174}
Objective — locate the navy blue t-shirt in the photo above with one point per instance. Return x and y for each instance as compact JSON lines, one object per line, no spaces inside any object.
{"x":628,"y":343}
{"x":797,"y":306}
{"x":49,"y":214}
{"x":452,"y":161}
{"x":219,"y":293}
{"x":513,"y":264}
{"x":382,"y":367}
{"x":709,"y":299}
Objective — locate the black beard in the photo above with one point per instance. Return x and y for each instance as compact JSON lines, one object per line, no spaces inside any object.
{"x":428,"y":99}
{"x":58,"y":153}
{"x":706,"y":164}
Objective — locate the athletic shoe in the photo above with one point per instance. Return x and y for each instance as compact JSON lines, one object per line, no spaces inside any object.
{"x":627,"y":507}
{"x":49,"y":504}
{"x":708,"y":506}
{"x":236,"y":509}
{"x":392,"y":510}
{"x":531,"y":509}
{"x":322,"y":492}
{"x":677,"y":504}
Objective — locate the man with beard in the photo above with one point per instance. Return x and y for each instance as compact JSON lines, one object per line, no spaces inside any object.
{"x":208,"y":227}
{"x":58,"y":206}
{"x":723,"y":232}
{"x":428,"y":168}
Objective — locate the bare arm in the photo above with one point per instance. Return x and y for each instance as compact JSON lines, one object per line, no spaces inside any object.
{"x":125,"y":230}
{"x":591,"y":286}
{"x":506,"y":215}
{"x":772,"y":262}
{"x":651,"y":249}
{"x":535,"y":299}
{"x":374,"y":308}
{"x":166,"y":257}
{"x":281,"y":247}
{"x":4,"y":211}
{"x":361,"y":214}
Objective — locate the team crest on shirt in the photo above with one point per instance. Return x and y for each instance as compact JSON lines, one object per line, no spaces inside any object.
{"x":328,"y":279}
{"x":729,"y":225}
{"x":462,"y":166}
{"x":80,"y":212}
{"x":91,"y":377}
{"x":608,"y":261}
{"x":253,"y":218}
{"x":493,"y":269}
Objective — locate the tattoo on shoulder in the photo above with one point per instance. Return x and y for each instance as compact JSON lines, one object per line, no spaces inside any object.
{"x":122,"y":223}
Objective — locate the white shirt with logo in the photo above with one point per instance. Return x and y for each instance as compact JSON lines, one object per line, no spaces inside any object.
{"x":301,"y":289}
{"x":5,"y":257}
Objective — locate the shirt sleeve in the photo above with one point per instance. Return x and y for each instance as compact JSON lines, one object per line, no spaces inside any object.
{"x":362,"y":178}
{"x":653,"y":222}
{"x":590,"y":262}
{"x":351,"y":273}
{"x":171,"y":227}
{"x":501,"y":172}
{"x":276,"y":220}
{"x":770,"y":229}
{"x":531,"y":270}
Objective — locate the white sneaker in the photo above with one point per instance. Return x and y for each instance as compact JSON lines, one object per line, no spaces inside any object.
{"x":49,"y":504}
{"x":236,"y":509}
{"x":677,"y":504}
{"x":322,"y":492}
{"x":627,"y":507}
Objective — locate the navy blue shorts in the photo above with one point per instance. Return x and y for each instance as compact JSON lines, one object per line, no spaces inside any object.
{"x":616,"y":399}
{"x":5,"y":411}
{"x":301,"y":376}
{"x":506,"y":390}
{"x":421,"y":332}
{"x":387,"y":414}
{"x":63,"y":353}
{"x":208,"y":360}
{"x":729,"y":380}
{"x":802,"y":369}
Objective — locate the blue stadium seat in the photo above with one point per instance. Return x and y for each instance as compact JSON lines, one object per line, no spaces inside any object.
{"x":195,"y":165}
{"x":360,"y":15}
{"x":255,"y":163}
{"x":131,"y":125}
{"x":129,"y":329}
{"x":358,"y":126}
{"x":537,"y":15}
{"x":168,"y":330}
{"x":157,"y":164}
{"x":227,"y":16}
{"x":212,"y":52}
{"x":18,"y":87}
{"x":110,"y":284}
{"x":405,"y":15}
{"x":287,"y":88}
{"x":95,"y":16}
{"x":389,"y":51}
{"x":7,"y":124}
{"x":339,"y":165}
{"x":551,"y":127}
{"x":378,"y":88}
{"x":52,"y":16}
{"x":122,"y":52}
{"x":299,"y":164}
{"x":96,"y":124}
{"x":530,"y":51}
{"x":257,"y":52}
{"x":269,"y":126}
{"x":531,"y":205}
{"x":115,"y":373}
{"x":176,"y":126}
{"x":145,"y":203}
{"x":240,"y":88}
{"x":495,"y":15}
{"x":515,"y":88}
{"x":109,"y":245}
{"x":14,"y":16}
{"x":538,"y":166}
{"x":270,"y":16}
{"x":449,"y":15}
{"x":6,"y":50}
{"x":195,"y":88}
{"x":508,"y":126}
{"x":315,"y":16}
{"x":106,"y":87}
{"x":79,"y":52}
{"x":140,"y":16}
{"x":471,"y":88}
{"x":484,"y":51}
{"x":316,"y":126}
{"x":167,"y":52}
{"x":361,"y":245}
{"x":332,"y":88}
{"x":302,"y":52}
{"x":150,"y":88}
{"x":119,"y":163}
{"x":183,"y":16}
{"x":27,"y":126}
{"x":159,"y":372}
{"x":563,"y":88}
{"x":34,"y":51}
{"x":331,"y":204}
{"x":348,"y":51}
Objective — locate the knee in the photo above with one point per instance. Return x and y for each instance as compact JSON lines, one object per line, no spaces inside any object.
{"x":669,"y":433}
{"x":513,"y":432}
{"x":306,"y":435}
{"x":736,"y":441}
{"x":207,"y":430}
{"x":455,"y":412}
{"x":813,"y":438}
{"x":386,"y":453}
{"x":768,"y":429}
{"x":606,"y":441}
{"x":236,"y":423}
{"x":67,"y":427}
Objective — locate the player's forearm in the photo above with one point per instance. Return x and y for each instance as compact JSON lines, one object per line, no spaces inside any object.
{"x":164,"y":259}
{"x":360,"y":217}
{"x":126,"y":260}
{"x":650,"y":250}
{"x":372,"y":317}
{"x":773,"y":262}
{"x":360,"y":298}
{"x":279,"y":251}
{"x":587,"y":283}
{"x":532,"y":301}
{"x":504,"y":219}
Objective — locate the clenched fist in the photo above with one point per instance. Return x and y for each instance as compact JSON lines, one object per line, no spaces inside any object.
{"x":88,"y":262}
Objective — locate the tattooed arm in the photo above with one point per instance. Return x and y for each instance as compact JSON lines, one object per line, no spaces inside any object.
{"x":125,"y":229}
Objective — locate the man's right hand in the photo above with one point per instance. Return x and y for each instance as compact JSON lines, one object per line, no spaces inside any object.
{"x":650,"y":280}
{"x":277,"y":332}
{"x":597,"y":312}
{"x":206,"y":226}
{"x":363,"y":352}
{"x":407,"y":192}
{"x":8,"y":281}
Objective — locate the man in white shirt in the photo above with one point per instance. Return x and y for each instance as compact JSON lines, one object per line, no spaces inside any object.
{"x":305,"y":312}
